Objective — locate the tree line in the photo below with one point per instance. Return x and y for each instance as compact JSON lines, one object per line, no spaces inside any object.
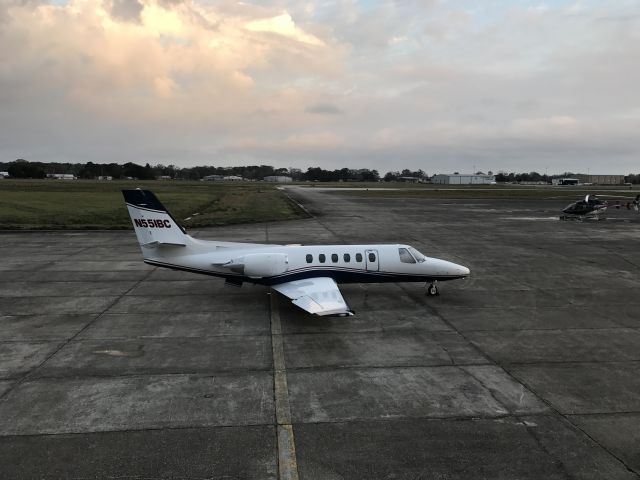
{"x":24,"y":169}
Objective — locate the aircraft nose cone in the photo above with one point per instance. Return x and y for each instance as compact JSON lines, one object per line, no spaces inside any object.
{"x":447,"y":269}
{"x":459,"y":270}
{"x":454,"y":269}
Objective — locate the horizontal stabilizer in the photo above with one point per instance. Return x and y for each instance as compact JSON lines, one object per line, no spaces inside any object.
{"x":155,"y":243}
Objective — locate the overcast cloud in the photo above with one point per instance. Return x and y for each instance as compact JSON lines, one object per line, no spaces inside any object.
{"x":432,"y":84}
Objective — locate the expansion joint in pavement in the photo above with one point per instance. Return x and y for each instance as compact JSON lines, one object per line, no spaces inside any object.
{"x":567,"y":418}
{"x":31,"y":373}
{"x":287,"y":462}
{"x":507,"y":370}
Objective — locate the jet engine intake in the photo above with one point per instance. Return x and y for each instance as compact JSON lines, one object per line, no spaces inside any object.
{"x":260,"y":265}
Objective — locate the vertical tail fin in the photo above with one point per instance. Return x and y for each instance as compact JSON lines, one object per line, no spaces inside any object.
{"x":151,"y":220}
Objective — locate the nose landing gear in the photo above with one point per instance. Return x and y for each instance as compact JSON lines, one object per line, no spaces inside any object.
{"x":432,"y":290}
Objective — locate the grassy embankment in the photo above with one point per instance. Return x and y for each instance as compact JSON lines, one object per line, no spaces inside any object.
{"x":88,"y":204}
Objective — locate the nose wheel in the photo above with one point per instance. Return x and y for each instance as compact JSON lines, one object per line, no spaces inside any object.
{"x":432,"y":290}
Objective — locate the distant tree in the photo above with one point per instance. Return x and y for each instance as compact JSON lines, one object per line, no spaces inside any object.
{"x":133,"y":170}
{"x":503,"y":177}
{"x":90,"y":170}
{"x":370,"y":175}
{"x":313,"y":174}
{"x":405,"y":173}
{"x":317,"y":174}
{"x":165,"y":171}
{"x":23,"y":169}
{"x":296,"y":173}
{"x":391,"y":176}
{"x":529,"y":177}
{"x":633,"y":179}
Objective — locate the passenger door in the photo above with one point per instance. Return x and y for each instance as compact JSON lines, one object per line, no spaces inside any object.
{"x":371,"y":260}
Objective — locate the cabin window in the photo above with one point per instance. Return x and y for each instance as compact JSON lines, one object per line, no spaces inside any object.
{"x":322,"y":258}
{"x":405,"y":256}
{"x":358,"y":257}
{"x":347,"y":257}
{"x":309,"y":258}
{"x":334,"y":257}
{"x":372,"y":257}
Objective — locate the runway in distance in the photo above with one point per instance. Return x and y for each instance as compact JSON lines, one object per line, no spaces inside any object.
{"x":307,"y":274}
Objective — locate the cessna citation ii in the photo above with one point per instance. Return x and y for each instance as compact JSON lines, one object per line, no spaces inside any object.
{"x":307,"y":275}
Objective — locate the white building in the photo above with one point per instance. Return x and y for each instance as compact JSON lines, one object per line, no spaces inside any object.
{"x":463,"y":179}
{"x":4,"y":174}
{"x":565,"y":181}
{"x":222,"y":178}
{"x":278,"y":179}
{"x":61,"y":176}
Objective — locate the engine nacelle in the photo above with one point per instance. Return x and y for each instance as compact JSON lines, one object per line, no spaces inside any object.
{"x":259,"y":265}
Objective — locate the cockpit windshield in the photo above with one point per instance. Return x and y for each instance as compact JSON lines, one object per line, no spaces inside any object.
{"x":405,"y":256}
{"x":418,"y":256}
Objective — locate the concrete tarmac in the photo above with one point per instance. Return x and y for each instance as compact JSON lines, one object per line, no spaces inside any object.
{"x":528,"y":369}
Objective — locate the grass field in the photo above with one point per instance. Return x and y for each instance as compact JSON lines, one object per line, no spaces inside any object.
{"x":88,"y":204}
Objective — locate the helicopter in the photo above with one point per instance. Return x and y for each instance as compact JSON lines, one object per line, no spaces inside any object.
{"x":591,"y":207}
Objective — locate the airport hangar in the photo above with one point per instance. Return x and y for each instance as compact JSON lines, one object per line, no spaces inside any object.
{"x":600,"y":179}
{"x":463,"y":179}
{"x":526,"y":370}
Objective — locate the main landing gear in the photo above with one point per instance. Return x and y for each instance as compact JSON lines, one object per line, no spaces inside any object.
{"x":432,"y":290}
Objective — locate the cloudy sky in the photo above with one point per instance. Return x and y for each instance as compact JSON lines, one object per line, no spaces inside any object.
{"x":440,"y":85}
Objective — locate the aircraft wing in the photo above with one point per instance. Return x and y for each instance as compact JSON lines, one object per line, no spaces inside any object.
{"x":320,"y":296}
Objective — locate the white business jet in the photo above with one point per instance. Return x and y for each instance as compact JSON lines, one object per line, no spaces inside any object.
{"x":306,"y":274}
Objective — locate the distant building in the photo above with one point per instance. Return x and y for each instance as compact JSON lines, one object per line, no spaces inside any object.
{"x":278,"y":179}
{"x":4,"y":174}
{"x":61,"y":176}
{"x":410,"y":179}
{"x":463,"y":179}
{"x":105,"y":177}
{"x":565,"y":181}
{"x":601,"y":179}
{"x":222,"y":178}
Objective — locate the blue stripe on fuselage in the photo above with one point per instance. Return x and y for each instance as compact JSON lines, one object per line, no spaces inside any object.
{"x":340,"y":276}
